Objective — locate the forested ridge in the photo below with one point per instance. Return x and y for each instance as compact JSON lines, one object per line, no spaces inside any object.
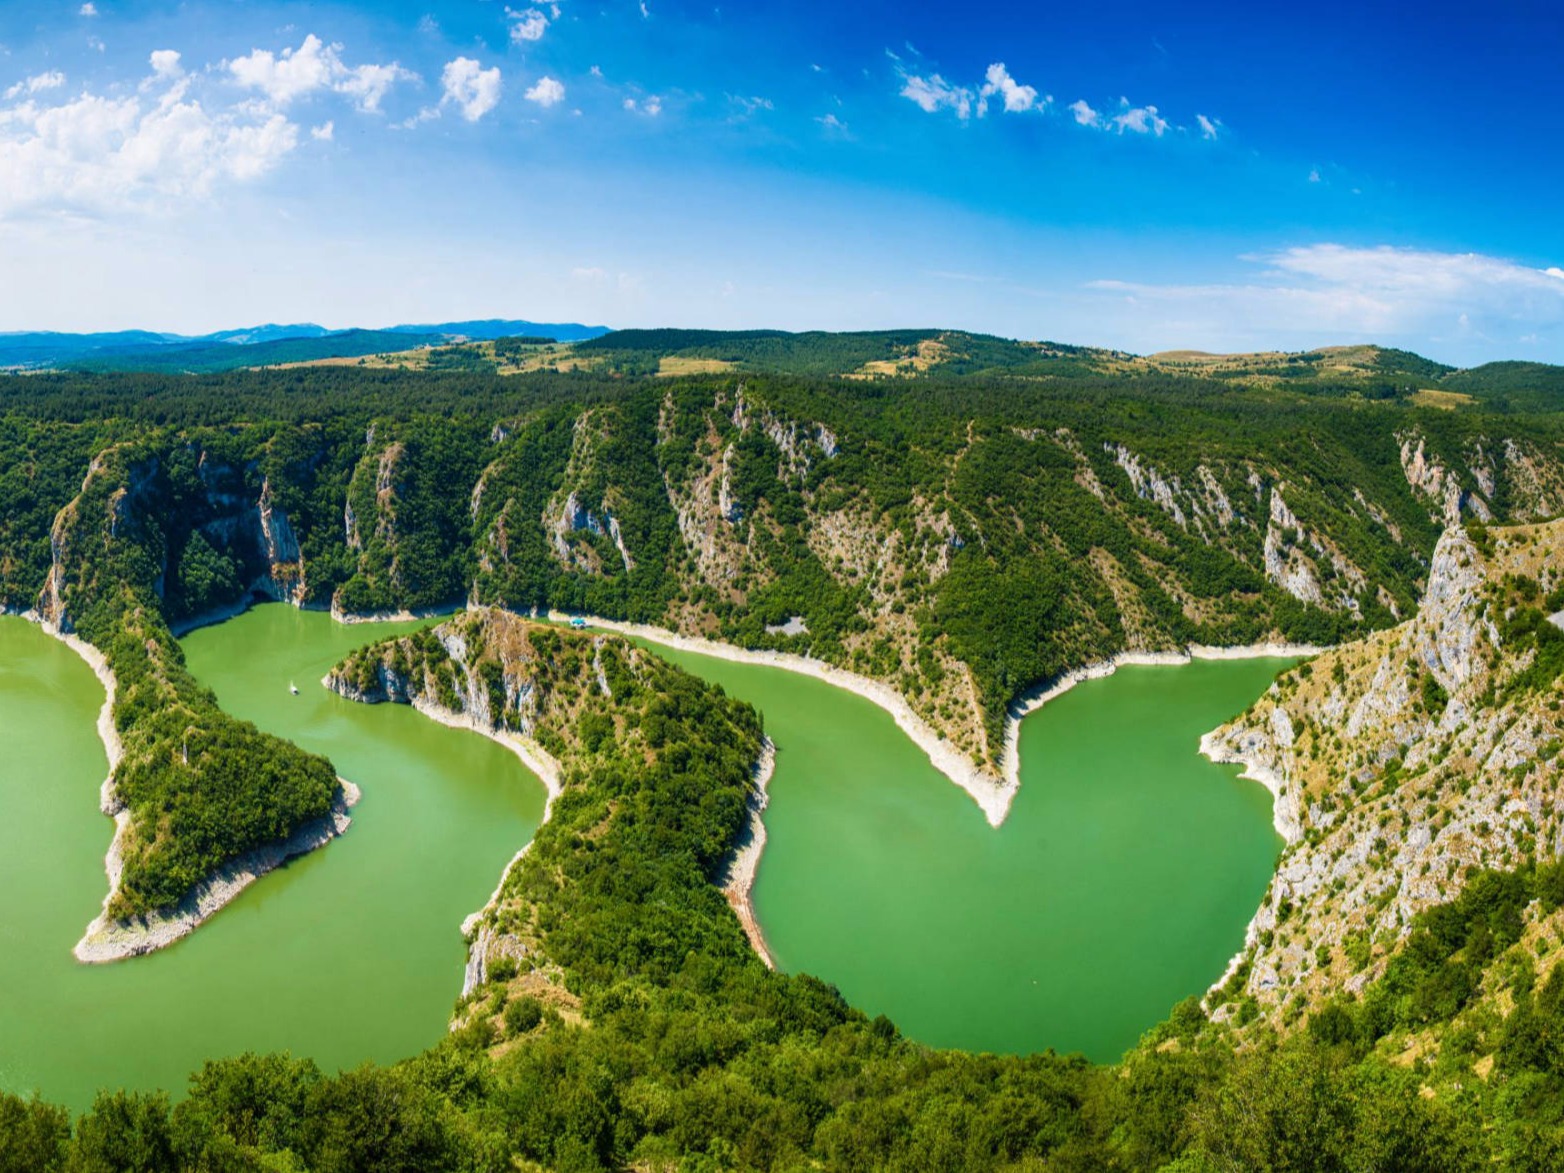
{"x":962,"y":534}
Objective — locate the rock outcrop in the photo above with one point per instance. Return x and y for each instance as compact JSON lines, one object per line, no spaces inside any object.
{"x":1403,"y":761}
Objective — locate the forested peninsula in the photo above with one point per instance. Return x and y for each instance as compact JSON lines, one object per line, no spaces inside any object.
{"x":961,"y":519}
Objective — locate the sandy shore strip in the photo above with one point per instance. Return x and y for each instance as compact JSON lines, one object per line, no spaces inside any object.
{"x":1034,"y":699}
{"x":351,"y":617}
{"x":739,"y":881}
{"x":537,"y":760}
{"x":992,"y":793}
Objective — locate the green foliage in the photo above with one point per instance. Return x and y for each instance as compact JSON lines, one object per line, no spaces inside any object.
{"x":522,"y":1015}
{"x":1003,"y":464}
{"x":207,"y":578}
{"x":33,"y":1135}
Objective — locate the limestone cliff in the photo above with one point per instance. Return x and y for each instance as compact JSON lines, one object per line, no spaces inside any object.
{"x":1405,"y":760}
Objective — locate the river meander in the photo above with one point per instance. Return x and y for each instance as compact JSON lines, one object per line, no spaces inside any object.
{"x":1120,"y":883}
{"x":348,"y":954}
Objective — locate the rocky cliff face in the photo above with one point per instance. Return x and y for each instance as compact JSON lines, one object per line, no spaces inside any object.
{"x":139,"y":511}
{"x":960,"y":566}
{"x":505,"y":673}
{"x":1402,"y":762}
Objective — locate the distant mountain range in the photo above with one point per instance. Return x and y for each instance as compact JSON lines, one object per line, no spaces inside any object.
{"x":145,"y":350}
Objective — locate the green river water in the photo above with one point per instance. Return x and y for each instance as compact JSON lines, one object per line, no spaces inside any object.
{"x":350,"y":953}
{"x":1120,"y":883}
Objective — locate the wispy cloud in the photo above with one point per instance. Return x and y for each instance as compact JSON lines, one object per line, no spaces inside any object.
{"x":526,"y":25}
{"x":1139,"y":119}
{"x":97,"y":155}
{"x":52,"y":80}
{"x":1084,"y":114}
{"x":1017,"y":97}
{"x":1208,"y":127}
{"x":932,"y":93}
{"x":165,"y":64}
{"x":745,"y":107}
{"x":1335,"y":291}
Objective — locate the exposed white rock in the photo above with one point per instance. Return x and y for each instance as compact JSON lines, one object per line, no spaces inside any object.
{"x":1149,"y":484}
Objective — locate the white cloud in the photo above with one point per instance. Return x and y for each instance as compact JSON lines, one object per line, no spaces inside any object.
{"x":652,"y":106}
{"x":368,"y":85}
{"x":747,"y":107}
{"x":1323,"y":292}
{"x":1139,"y":119}
{"x":165,"y":64}
{"x":1084,"y":114}
{"x":52,"y":80}
{"x":1208,"y":128}
{"x":324,"y":133}
{"x":289,"y":75}
{"x":934,"y":93}
{"x":312,"y":67}
{"x":591,"y":274}
{"x":833,"y":125}
{"x":100,"y":155}
{"x":471,"y":88}
{"x":1314,"y":175}
{"x":88,"y":9}
{"x":1018,"y":98}
{"x":548,"y":92}
{"x":526,"y":25}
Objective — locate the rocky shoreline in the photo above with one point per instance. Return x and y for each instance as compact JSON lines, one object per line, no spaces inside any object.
{"x":992,"y":793}
{"x":1284,"y":817}
{"x":739,"y":880}
{"x":107,"y":940}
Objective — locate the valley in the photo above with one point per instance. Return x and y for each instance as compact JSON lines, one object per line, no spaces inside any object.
{"x":955,"y":529}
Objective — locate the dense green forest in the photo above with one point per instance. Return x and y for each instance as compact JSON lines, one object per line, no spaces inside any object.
{"x":639,"y":1031}
{"x":1002,"y":514}
{"x":964,"y":535}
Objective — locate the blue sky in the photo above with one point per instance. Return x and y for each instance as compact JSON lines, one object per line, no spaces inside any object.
{"x":1134,"y":175}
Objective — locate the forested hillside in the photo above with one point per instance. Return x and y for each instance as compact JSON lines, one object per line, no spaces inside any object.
{"x":620,"y":1022}
{"x":961,"y":538}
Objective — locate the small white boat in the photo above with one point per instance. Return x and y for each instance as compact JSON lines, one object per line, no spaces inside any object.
{"x":293,"y":688}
